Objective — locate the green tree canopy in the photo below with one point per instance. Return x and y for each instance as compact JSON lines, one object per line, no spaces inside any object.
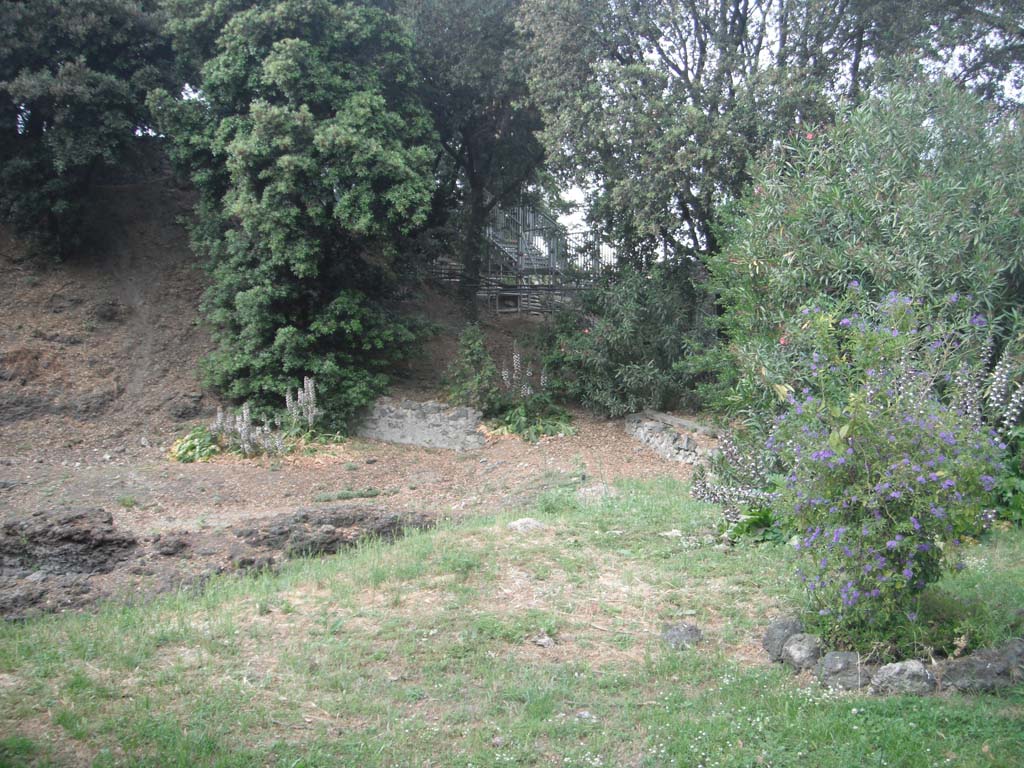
{"x":312,"y":157}
{"x":658,"y":106}
{"x":73,"y":79}
{"x":469,"y":61}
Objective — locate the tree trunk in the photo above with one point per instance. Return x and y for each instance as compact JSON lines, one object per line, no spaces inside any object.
{"x":472,"y":245}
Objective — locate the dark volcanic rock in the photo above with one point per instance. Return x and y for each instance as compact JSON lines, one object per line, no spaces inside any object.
{"x":906,"y":677}
{"x":842,"y":670}
{"x":778,"y":632}
{"x":802,"y":651}
{"x":679,"y":637}
{"x":64,"y":541}
{"x":326,"y":530}
{"x":987,"y":670}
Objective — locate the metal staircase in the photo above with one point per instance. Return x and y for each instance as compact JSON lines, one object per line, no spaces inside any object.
{"x":531,"y":263}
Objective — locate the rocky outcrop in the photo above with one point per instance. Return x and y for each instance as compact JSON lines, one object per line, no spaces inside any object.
{"x":428,"y":424}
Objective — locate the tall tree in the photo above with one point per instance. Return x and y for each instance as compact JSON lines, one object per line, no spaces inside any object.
{"x":73,"y":79}
{"x":468,"y":56}
{"x":659,"y":105}
{"x":311,"y":153}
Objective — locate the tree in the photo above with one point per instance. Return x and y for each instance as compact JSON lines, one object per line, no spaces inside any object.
{"x":73,"y":79}
{"x":473,"y":81}
{"x":658,"y":106}
{"x":312,"y":159}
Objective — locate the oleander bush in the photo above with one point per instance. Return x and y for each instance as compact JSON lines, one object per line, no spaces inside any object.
{"x":917,"y":190}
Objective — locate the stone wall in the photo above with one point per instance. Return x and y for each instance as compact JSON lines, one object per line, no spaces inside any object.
{"x":429,"y":424}
{"x":669,"y":436}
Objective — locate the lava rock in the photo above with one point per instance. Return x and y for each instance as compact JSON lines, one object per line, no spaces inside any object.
{"x":987,"y":670}
{"x":679,"y":637}
{"x":802,"y":651}
{"x":64,"y":541}
{"x":842,"y":670}
{"x":778,"y":632}
{"x":904,"y":677}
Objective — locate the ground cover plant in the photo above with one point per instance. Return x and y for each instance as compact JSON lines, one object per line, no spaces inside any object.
{"x":517,"y":400}
{"x":435,"y":650}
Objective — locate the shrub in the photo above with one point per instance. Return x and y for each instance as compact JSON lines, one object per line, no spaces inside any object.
{"x":891,"y":463}
{"x":623,"y":347}
{"x":918,"y":190}
{"x":472,"y":377}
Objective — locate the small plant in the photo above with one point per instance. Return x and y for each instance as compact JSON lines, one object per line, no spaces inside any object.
{"x":534,"y":417}
{"x":199,"y":444}
{"x":473,"y":377}
{"x":237,"y":432}
{"x":527,"y":409}
{"x":128,"y":502}
{"x":347,"y":495}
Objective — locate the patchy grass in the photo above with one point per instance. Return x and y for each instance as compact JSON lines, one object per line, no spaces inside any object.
{"x":429,"y":652}
{"x":348,"y":494}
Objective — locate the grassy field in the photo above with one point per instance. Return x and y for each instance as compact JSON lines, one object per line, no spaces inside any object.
{"x":435,"y":651}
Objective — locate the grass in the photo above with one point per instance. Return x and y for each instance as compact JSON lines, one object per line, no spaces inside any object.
{"x":421,"y":653}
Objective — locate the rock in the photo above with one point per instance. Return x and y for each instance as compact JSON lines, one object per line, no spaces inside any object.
{"x":109,"y":311}
{"x":596,"y":492}
{"x":526,"y":525}
{"x":186,"y":406}
{"x":842,"y":670}
{"x":169,"y":546}
{"x":429,"y":424}
{"x":660,"y":432}
{"x":6,"y":485}
{"x":586,"y":716}
{"x":64,"y":541}
{"x":801,"y":651}
{"x":778,"y":632}
{"x":326,"y":530}
{"x":904,"y":677}
{"x":680,"y":637}
{"x":544,"y":640}
{"x":987,"y":670}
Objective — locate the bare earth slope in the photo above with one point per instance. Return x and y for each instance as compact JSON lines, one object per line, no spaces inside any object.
{"x":99,"y":374}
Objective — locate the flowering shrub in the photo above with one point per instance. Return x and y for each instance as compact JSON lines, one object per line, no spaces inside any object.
{"x":890,"y":463}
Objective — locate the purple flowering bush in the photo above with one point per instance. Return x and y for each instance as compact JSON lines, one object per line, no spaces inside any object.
{"x":890,"y":462}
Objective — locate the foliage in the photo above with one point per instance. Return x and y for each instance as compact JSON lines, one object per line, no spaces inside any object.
{"x":472,"y":80}
{"x":473,"y":377}
{"x":657,"y":108}
{"x":1011,"y":484}
{"x":73,"y":81}
{"x":200,"y":444}
{"x":890,"y":464}
{"x":624,"y":345}
{"x":311,"y":155}
{"x":918,"y":191}
{"x":533,"y":417}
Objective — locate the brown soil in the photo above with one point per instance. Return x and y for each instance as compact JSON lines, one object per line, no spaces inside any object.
{"x":99,"y":374}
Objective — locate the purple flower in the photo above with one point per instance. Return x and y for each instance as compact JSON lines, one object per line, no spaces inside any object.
{"x":979,"y":321}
